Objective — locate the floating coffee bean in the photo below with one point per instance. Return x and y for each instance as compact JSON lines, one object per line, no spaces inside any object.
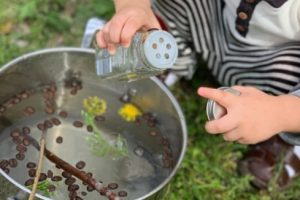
{"x":29,"y":182}
{"x":43,"y":177}
{"x":83,"y":193}
{"x":90,"y":188}
{"x":63,"y":114}
{"x":49,"y":174}
{"x":125,"y":98}
{"x":6,"y":170}
{"x":152,"y":133}
{"x":99,"y":118}
{"x":66,"y":174}
{"x":13,"y":163}
{"x":77,"y":124}
{"x":24,"y":94}
{"x":56,"y":121}
{"x":31,"y":172}
{"x":122,"y":193}
{"x":59,"y":140}
{"x":16,"y":100}
{"x":2,"y":109}
{"x":26,"y":130}
{"x":112,"y":196}
{"x":41,"y":127}
{"x":15,"y":133}
{"x":113,"y":186}
{"x":80,"y":165}
{"x":49,"y":110}
{"x":103,"y":190}
{"x":48,"y":124}
{"x":56,"y":178}
{"x":74,"y":187}
{"x":57,"y":166}
{"x":20,"y":156}
{"x":89,"y":174}
{"x":4,"y":164}
{"x":26,"y":142}
{"x":72,"y":195}
{"x":89,"y":128}
{"x":51,"y":188}
{"x":78,"y":198}
{"x":73,"y":91}
{"x":28,"y":111}
{"x":70,"y":181}
{"x":31,"y":165}
{"x":21,"y":148}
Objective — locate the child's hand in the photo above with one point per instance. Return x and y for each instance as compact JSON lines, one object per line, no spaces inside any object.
{"x":252,"y":117}
{"x":130,"y":16}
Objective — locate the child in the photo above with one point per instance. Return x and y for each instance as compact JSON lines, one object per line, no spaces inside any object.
{"x":251,"y":43}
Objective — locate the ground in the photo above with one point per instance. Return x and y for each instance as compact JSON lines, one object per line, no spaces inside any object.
{"x":209,"y":167}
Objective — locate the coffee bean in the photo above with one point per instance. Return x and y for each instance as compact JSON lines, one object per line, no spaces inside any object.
{"x":122,"y":193}
{"x":41,"y":126}
{"x":111,"y":196}
{"x":63,"y":114}
{"x":16,"y":100}
{"x":31,"y":172}
{"x":29,"y":182}
{"x":31,"y":165}
{"x":59,"y":140}
{"x":113,"y":186}
{"x":72,"y":195}
{"x":103,"y":190}
{"x":21,"y":148}
{"x":80,"y":165}
{"x":73,"y":91}
{"x":153,"y":133}
{"x":99,"y":118}
{"x":56,"y":121}
{"x":26,"y":130}
{"x":89,"y":174}
{"x":51,"y":188}
{"x":49,"y":174}
{"x":49,"y":110}
{"x":43,"y":177}
{"x":74,"y":187}
{"x":13,"y":163}
{"x":2,"y":109}
{"x":83,"y":193}
{"x":26,"y":142}
{"x":20,"y":156}
{"x":4,"y":164}
{"x":125,"y":98}
{"x":57,"y":166}
{"x":48,"y":124}
{"x":15,"y":133}
{"x":90,"y":188}
{"x":28,"y":111}
{"x":66,"y":174}
{"x":6,"y":170}
{"x":56,"y":178}
{"x":89,"y":128}
{"x":70,"y":181}
{"x":24,"y":94}
{"x":78,"y":198}
{"x":77,"y":124}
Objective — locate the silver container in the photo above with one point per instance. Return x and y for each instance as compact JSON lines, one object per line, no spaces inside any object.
{"x":151,"y":160}
{"x":215,"y":110}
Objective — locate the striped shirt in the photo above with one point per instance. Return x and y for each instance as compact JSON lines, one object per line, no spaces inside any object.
{"x":244,"y":42}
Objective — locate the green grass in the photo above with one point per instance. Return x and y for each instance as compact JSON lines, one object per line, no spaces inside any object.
{"x":209,"y":167}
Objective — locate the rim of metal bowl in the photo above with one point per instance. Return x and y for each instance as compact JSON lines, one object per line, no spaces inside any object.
{"x":154,"y":79}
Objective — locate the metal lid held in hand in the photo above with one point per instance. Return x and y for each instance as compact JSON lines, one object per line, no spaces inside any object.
{"x":160,"y":49}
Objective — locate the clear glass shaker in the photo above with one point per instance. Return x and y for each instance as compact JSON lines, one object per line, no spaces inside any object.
{"x":149,"y":54}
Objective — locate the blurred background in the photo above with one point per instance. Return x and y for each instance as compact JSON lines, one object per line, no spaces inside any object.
{"x":209,"y":168}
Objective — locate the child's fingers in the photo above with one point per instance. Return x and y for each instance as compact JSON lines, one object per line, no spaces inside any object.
{"x":100,"y":40}
{"x":222,"y":125}
{"x":116,"y":25}
{"x":223,"y":98}
{"x":131,"y":26}
{"x":231,"y":136}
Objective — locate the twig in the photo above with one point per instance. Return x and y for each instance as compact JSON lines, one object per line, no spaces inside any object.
{"x":40,"y":166}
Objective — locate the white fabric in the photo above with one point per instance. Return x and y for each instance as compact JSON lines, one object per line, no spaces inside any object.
{"x":268,"y":26}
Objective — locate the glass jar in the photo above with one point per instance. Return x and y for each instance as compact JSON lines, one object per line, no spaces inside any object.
{"x":149,"y":54}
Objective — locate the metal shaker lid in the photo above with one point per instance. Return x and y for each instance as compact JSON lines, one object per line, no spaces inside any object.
{"x":160,"y":49}
{"x":215,"y":110}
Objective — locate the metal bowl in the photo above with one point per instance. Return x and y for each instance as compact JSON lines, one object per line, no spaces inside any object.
{"x":154,"y":143}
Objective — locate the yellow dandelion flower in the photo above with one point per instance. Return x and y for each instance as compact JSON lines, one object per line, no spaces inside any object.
{"x":94,"y":105}
{"x":129,"y":112}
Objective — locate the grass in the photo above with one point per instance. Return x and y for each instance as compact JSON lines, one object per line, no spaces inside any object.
{"x":209,"y":167}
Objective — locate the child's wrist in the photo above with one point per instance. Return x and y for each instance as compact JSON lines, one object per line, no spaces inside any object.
{"x":119,"y":4}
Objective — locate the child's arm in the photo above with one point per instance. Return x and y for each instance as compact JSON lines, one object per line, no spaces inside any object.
{"x":130,"y":16}
{"x":254,"y":116}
